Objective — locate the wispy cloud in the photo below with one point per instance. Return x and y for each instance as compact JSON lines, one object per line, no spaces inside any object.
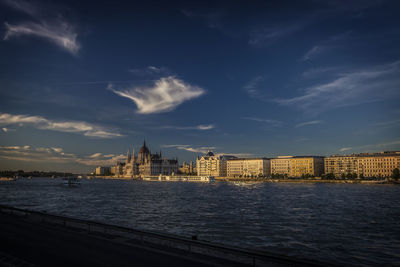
{"x":314,"y":51}
{"x":390,"y":145}
{"x":190,"y":148}
{"x":251,"y":86}
{"x":39,"y":122}
{"x":334,"y":42}
{"x":267,"y":121}
{"x":352,"y":88}
{"x":317,"y":72}
{"x":391,"y":123}
{"x":201,"y":127}
{"x":56,"y":30}
{"x":165,"y":95}
{"x":307,"y":123}
{"x":204,"y":150}
{"x":270,"y":34}
{"x":56,"y":155}
{"x":149,"y":70}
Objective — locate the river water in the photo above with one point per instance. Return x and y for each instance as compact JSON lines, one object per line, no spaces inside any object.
{"x":348,"y":224}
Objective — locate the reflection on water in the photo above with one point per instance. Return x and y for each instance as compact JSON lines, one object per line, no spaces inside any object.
{"x":341,"y":223}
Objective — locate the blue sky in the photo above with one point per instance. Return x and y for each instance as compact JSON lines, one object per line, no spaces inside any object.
{"x":83,"y":82}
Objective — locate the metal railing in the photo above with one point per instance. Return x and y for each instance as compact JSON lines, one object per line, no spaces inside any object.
{"x":187,"y":245}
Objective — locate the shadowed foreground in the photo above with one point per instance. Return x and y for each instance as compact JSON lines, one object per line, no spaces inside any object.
{"x":26,"y":240}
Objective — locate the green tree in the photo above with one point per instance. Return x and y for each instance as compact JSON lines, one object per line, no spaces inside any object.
{"x":396,"y":174}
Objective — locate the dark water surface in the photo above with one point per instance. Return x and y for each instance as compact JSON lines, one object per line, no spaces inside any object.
{"x":348,"y":224}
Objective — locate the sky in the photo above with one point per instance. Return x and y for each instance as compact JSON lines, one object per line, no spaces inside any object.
{"x":81,"y":82}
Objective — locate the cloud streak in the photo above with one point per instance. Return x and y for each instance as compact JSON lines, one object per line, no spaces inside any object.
{"x":56,"y":155}
{"x":201,"y":127}
{"x":165,"y":95}
{"x":268,"y":121}
{"x":55,"y":30}
{"x":347,"y":89}
{"x":190,"y":148}
{"x":42,"y":123}
{"x":307,"y":123}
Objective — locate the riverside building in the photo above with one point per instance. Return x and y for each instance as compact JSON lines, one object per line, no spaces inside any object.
{"x":306,"y":165}
{"x":364,"y":165}
{"x":212,"y":165}
{"x":297,"y":166}
{"x":146,"y":164}
{"x":281,"y":165}
{"x":248,"y":167}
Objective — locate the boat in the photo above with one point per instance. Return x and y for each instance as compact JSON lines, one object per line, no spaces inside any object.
{"x":180,"y":178}
{"x":72,"y":181}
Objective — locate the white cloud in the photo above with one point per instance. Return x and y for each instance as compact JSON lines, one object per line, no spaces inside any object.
{"x":95,"y":155}
{"x":39,"y":122}
{"x":316,"y":50}
{"x":56,"y":155}
{"x":189,"y":148}
{"x":271,"y":34}
{"x":268,"y":121}
{"x":201,"y":127}
{"x":251,"y":86}
{"x":58,"y":149}
{"x":345,"y":149}
{"x":149,"y":70}
{"x":352,"y":88}
{"x":166,"y":94}
{"x":57,"y":31}
{"x":15,"y":147}
{"x":306,"y":123}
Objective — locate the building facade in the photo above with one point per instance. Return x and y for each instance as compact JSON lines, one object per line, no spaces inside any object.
{"x":281,"y":165}
{"x":341,"y":165}
{"x":364,"y":165}
{"x":306,"y":165}
{"x":147,"y":164}
{"x":248,"y":167}
{"x":188,"y":168}
{"x":212,"y":165}
{"x":100,"y":170}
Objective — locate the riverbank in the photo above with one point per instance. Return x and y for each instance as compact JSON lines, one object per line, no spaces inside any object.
{"x":355,"y":181}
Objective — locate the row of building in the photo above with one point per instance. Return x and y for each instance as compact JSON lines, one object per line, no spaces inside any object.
{"x":357,"y":165}
{"x":146,"y":163}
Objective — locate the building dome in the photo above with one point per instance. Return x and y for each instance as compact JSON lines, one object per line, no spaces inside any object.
{"x":144,"y":149}
{"x":210,"y":154}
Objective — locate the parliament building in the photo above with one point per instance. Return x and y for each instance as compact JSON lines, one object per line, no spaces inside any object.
{"x":146,"y":164}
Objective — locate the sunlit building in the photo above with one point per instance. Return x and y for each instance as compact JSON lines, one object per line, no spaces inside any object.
{"x":248,"y":167}
{"x":378,"y":164}
{"x":188,"y":168}
{"x":306,"y":165}
{"x":364,"y":165}
{"x":341,"y":165}
{"x":212,"y":165}
{"x":118,"y":169}
{"x":281,"y":165}
{"x":145,"y":164}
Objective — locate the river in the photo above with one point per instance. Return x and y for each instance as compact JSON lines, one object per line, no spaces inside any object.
{"x":350,"y":224}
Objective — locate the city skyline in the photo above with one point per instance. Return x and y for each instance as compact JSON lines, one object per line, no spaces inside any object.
{"x":266,"y":80}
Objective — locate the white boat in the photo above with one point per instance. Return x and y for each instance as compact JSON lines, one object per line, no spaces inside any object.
{"x":179,"y":178}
